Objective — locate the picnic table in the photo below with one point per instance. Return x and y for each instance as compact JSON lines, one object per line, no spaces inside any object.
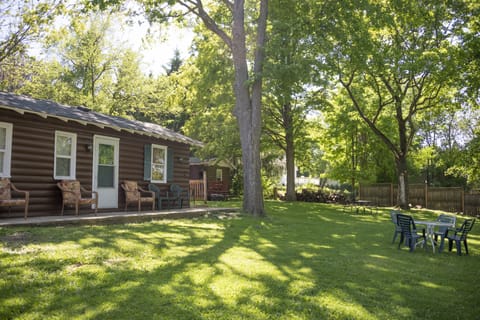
{"x":363,"y":205}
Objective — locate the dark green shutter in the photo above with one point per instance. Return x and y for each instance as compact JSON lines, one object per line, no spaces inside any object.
{"x":169,"y":164}
{"x":147,"y":162}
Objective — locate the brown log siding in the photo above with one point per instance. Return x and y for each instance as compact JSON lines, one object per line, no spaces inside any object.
{"x":32,"y":162}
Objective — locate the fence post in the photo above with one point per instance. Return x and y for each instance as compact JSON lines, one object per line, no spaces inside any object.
{"x":205,"y":194}
{"x":391,"y":194}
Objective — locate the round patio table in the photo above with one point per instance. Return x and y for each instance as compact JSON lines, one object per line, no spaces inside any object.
{"x":430,"y":226}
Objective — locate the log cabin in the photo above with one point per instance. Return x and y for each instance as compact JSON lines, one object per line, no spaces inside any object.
{"x":43,"y":142}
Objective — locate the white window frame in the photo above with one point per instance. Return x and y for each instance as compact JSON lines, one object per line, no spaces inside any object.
{"x":165,"y":173}
{"x":7,"y":152}
{"x":72,"y":157}
{"x":219,"y":174}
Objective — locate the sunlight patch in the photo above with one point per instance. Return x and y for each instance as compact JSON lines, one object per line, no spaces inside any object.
{"x":375,"y":267}
{"x":378,"y":256}
{"x":249,"y":263}
{"x":430,"y":285}
{"x":341,"y":306}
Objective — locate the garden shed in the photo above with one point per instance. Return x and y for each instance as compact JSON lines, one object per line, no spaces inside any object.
{"x":214,"y":175}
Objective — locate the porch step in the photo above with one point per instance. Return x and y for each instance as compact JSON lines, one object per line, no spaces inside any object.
{"x":115,"y":217}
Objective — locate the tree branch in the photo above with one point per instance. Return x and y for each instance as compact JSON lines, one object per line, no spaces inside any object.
{"x":372,"y":125}
{"x":196,"y":7}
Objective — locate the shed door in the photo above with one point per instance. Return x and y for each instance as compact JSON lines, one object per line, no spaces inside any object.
{"x":105,"y":170}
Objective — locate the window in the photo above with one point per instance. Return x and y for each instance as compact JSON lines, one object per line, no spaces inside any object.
{"x":5,"y":148}
{"x":218,"y":174}
{"x":159,"y":163}
{"x":106,"y":165}
{"x":65,"y":154}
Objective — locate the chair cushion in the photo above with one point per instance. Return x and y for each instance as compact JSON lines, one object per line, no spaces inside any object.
{"x":12,"y":202}
{"x":73,"y":186}
{"x":131,"y":191}
{"x":86,"y":200}
{"x":5,"y":192}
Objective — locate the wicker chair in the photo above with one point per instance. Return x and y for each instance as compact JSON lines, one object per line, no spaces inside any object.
{"x":133,"y":194}
{"x":6,"y":200}
{"x":72,"y":194}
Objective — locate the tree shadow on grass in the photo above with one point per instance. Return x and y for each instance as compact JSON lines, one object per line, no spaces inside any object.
{"x":307,"y":263}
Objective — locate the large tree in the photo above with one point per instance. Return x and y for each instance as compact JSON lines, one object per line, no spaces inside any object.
{"x":392,"y":59}
{"x":88,"y":58}
{"x":288,"y":71}
{"x":232,"y":22}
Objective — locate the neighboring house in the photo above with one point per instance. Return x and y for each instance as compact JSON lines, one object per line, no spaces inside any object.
{"x":215,"y":174}
{"x":43,"y":142}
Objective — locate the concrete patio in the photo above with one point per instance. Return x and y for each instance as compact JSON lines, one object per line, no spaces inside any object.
{"x":113,"y":217}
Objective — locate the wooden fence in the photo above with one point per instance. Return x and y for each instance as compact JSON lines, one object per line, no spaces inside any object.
{"x":421,"y":195}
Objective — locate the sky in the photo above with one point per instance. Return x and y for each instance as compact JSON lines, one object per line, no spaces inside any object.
{"x":160,"y":49}
{"x":158,"y":52}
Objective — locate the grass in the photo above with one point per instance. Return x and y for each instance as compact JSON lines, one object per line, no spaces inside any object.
{"x":304,"y":261}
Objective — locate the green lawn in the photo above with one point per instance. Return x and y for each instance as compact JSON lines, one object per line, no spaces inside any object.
{"x":304,"y":261}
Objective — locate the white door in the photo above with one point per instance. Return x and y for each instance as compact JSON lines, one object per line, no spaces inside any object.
{"x":105,"y":170}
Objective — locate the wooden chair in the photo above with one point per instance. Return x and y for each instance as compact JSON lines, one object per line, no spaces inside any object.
{"x":6,"y":200}
{"x":72,"y":195}
{"x":133,"y":194}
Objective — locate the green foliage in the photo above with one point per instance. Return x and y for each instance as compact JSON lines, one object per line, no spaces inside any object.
{"x":22,"y":22}
{"x":131,"y":88}
{"x":210,"y":81}
{"x":287,"y":72}
{"x":394,"y":61}
{"x":305,"y":261}
{"x":352,"y":151}
{"x":467,"y":164}
{"x":45,"y":82}
{"x":87,"y":57}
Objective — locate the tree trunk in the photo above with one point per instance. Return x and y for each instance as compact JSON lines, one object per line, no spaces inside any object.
{"x":247,"y":104}
{"x":402,"y":174}
{"x":248,"y":108}
{"x":291,"y":195}
{"x":353,"y":157}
